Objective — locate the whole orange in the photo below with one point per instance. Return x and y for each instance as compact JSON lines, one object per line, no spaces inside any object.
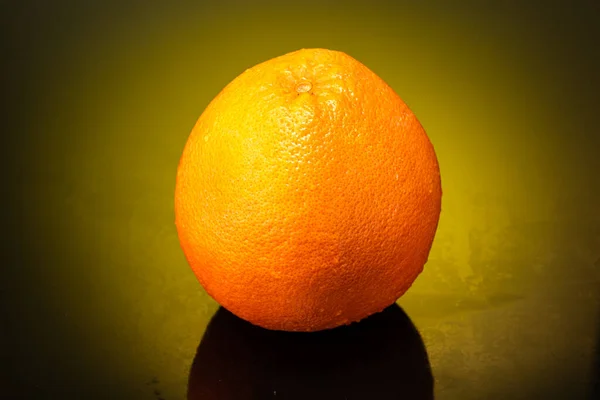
{"x":308,"y":194}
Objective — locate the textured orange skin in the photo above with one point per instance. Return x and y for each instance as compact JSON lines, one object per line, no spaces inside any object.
{"x":305,"y":207}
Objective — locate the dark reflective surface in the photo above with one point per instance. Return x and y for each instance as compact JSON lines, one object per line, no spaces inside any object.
{"x":382,"y":357}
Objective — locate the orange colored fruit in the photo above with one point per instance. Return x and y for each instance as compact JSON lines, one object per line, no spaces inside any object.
{"x":308,"y":194}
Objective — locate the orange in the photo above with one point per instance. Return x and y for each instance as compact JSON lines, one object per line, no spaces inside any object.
{"x":308,"y":194}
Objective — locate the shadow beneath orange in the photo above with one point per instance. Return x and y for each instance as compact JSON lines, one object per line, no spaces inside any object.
{"x":381,"y":357}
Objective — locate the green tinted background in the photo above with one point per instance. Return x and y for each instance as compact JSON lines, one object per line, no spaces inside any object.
{"x":99,"y":300}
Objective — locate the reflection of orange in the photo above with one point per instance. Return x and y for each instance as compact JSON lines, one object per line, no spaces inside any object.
{"x":308,"y":194}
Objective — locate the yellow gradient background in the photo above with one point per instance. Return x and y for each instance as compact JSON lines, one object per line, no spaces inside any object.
{"x":101,"y":300}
